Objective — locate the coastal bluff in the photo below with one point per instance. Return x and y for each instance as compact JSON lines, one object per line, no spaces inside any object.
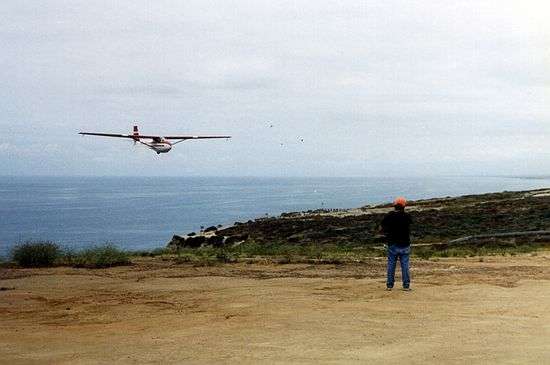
{"x":517,"y":216}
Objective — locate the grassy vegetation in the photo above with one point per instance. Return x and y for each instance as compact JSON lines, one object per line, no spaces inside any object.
{"x":43,"y":254}
{"x":151,"y":253}
{"x":277,"y":253}
{"x":427,"y":252}
{"x":46,"y":254}
{"x":331,"y":254}
{"x":97,"y":257}
{"x":36,"y":254}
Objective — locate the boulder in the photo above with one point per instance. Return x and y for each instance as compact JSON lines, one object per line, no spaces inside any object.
{"x":211,"y":229}
{"x":290,"y":214}
{"x":215,"y":241}
{"x":231,"y":240}
{"x":298,"y":237}
{"x":177,"y":241}
{"x":194,"y":242}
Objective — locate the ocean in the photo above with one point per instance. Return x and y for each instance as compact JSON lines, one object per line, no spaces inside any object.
{"x":140,"y":213}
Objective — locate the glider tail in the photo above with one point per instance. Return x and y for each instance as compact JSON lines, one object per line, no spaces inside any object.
{"x":136,"y":133}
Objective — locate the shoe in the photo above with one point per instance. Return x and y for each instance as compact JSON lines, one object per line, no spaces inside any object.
{"x":406,"y":289}
{"x":389,"y":289}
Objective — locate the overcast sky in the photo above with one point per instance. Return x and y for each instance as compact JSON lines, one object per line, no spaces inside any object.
{"x":373,"y":88}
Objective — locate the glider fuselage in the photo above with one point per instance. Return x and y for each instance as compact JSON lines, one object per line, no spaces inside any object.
{"x":161,"y":146}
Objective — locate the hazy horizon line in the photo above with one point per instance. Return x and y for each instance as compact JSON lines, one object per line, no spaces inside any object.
{"x":526,"y":176}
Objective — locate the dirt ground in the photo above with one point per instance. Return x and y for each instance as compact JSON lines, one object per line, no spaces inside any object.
{"x":461,"y":310}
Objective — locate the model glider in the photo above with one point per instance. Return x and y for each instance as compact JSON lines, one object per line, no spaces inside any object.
{"x":159,"y":144}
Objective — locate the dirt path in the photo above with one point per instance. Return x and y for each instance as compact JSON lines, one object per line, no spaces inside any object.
{"x":461,"y":310}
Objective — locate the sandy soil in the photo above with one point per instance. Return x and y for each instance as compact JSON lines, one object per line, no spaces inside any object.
{"x":461,"y":310}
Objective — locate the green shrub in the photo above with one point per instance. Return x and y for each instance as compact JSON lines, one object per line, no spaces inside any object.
{"x":36,"y":254}
{"x":106,"y":255}
{"x":225,"y":256}
{"x":151,"y":253}
{"x":423,"y":252}
{"x":159,"y":251}
{"x":184,"y":258}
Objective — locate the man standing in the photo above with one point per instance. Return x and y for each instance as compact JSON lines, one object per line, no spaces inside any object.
{"x":396,"y":228}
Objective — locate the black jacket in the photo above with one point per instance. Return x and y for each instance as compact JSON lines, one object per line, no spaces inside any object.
{"x":396,"y":228}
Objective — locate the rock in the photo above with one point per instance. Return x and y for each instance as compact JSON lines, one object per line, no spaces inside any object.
{"x":296,"y":237}
{"x":191,"y":234}
{"x":290,"y":214}
{"x":195,"y":242}
{"x":215,"y":241}
{"x":211,"y":229}
{"x":177,"y":241}
{"x":231,"y":240}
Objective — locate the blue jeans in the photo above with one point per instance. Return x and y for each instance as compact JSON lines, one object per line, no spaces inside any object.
{"x":401,"y":253}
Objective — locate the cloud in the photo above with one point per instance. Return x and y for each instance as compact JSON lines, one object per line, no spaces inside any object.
{"x":358,"y":80}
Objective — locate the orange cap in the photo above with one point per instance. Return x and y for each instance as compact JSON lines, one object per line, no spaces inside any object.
{"x":400,"y":201}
